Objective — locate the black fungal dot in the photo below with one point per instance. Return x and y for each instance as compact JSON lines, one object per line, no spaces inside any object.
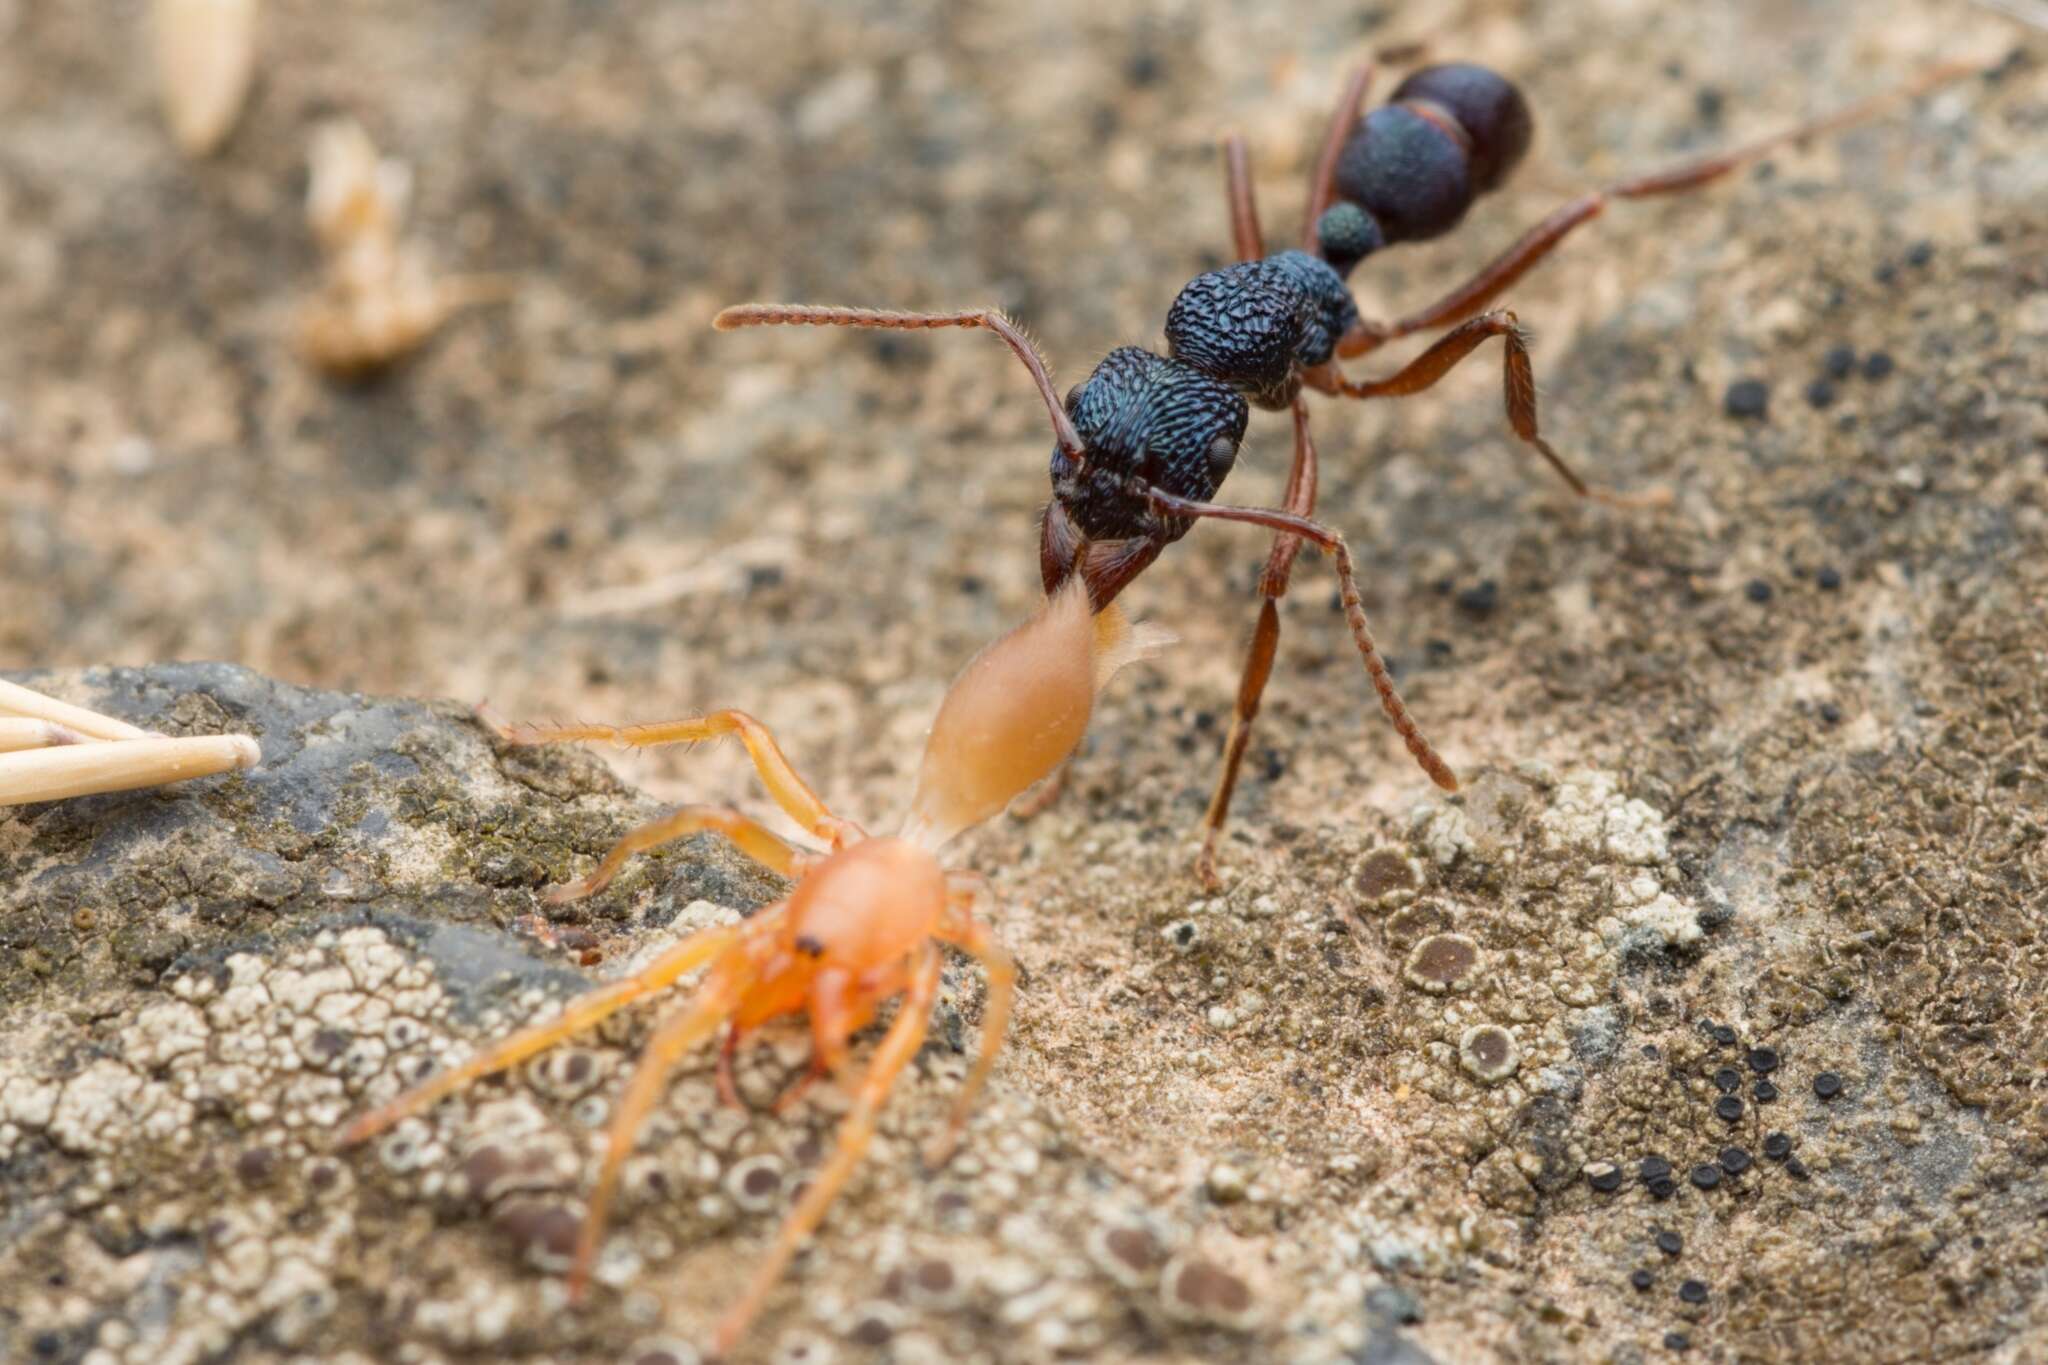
{"x":1827,"y":1085}
{"x":1677,"y":1341}
{"x":1758,"y":590}
{"x":1820,"y":394}
{"x":1764,"y":1091}
{"x":1663,"y":1187}
{"x":1726,"y":1079}
{"x":1763,"y":1060}
{"x":934,"y":1277}
{"x":1919,"y":254}
{"x":1642,"y":1279}
{"x":871,"y":1331}
{"x":1747,"y":398}
{"x":1606,"y":1180}
{"x":1669,"y":1242}
{"x":1885,"y":273}
{"x":1724,"y":1035}
{"x":1480,"y":600}
{"x":1706,"y":1176}
{"x":1828,"y":579}
{"x":256,"y":1166}
{"x":47,"y":1344}
{"x":1208,"y":1288}
{"x":1735,"y":1160}
{"x":1840,"y":360}
{"x":1877,"y":365}
{"x":1144,"y":68}
{"x":1692,"y":1291}
{"x":1830,"y":713}
{"x":761,"y":1181}
{"x":1135,"y":1247}
{"x":1728,"y":1108}
{"x":1777,"y":1146}
{"x":1795,"y":1168}
{"x":1654,"y":1168}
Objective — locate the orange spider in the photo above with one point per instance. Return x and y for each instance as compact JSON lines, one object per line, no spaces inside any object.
{"x":863,"y":924}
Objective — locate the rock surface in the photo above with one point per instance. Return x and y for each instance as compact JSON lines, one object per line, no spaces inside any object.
{"x":1756,"y":787}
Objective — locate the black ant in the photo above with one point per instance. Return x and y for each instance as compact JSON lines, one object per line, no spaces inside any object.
{"x":1144,"y":443}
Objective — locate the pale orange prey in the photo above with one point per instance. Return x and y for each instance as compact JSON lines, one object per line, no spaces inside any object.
{"x":863,"y":924}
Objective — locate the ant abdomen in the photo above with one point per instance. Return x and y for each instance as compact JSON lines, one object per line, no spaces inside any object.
{"x":1413,"y":166}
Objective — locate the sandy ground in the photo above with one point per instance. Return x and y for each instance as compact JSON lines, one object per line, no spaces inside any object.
{"x":1820,"y":672}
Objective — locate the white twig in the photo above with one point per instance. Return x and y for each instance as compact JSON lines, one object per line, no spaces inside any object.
{"x":16,"y":700}
{"x":83,"y":769}
{"x":25,"y":732}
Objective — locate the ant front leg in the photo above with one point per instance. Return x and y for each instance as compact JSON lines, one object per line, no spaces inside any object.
{"x":1258,"y":663}
{"x":1518,"y":383}
{"x":1540,"y":240}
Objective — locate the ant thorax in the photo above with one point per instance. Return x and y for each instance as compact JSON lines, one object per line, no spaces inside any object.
{"x":1258,"y":325}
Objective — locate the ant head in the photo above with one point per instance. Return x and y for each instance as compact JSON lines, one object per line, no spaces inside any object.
{"x":1150,"y":417}
{"x":1412,"y":167}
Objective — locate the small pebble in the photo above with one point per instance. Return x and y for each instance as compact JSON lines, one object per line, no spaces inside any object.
{"x":1764,"y":1091}
{"x":1820,"y":394}
{"x":1726,"y":1079}
{"x":1877,"y":365}
{"x":1706,"y":1176}
{"x":1669,"y":1242}
{"x":1642,"y":1279}
{"x":1747,"y":398}
{"x":1828,"y":579}
{"x":1827,"y":1085}
{"x":1763,"y":1060}
{"x":1728,"y":1108}
{"x":1758,"y":590}
{"x":1677,"y":1341}
{"x":1839,"y":361}
{"x":1734,"y":1160}
{"x":1480,"y":601}
{"x":1692,"y":1291}
{"x":1777,"y":1146}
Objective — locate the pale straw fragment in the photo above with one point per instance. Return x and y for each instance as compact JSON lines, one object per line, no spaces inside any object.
{"x":16,"y":700}
{"x":25,"y":732}
{"x":84,"y":769}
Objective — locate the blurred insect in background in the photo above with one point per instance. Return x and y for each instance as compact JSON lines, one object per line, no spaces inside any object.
{"x":205,"y":58}
{"x":1144,"y":443}
{"x":862,"y":925}
{"x":378,"y":301}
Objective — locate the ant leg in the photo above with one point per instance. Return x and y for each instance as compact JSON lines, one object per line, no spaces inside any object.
{"x":1342,"y":120}
{"x":977,"y":940}
{"x":1539,"y":241}
{"x":1244,"y":206}
{"x":1518,"y":382}
{"x":777,"y":774}
{"x":1258,"y":663}
{"x":1331,"y":544}
{"x":904,"y":1038}
{"x":679,"y":1032}
{"x":987,"y":319}
{"x":751,"y":837}
{"x":581,"y":1013}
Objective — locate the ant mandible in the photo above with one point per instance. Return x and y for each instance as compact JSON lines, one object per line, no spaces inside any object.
{"x":862,"y":924}
{"x":1146,"y":441}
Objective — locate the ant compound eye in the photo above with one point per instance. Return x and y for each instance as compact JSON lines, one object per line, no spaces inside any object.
{"x":1347,"y":234}
{"x":1222,"y":455}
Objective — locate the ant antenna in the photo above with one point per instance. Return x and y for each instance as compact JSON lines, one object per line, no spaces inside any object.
{"x":987,"y":319}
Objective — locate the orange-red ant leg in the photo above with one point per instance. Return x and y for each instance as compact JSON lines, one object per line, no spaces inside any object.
{"x":1258,"y":663}
{"x":728,"y":1091}
{"x":749,"y":836}
{"x":1539,"y":241}
{"x":678,"y":1033}
{"x":777,"y":774}
{"x":1342,"y":120}
{"x":1331,"y":544}
{"x":978,"y":941}
{"x":987,"y":319}
{"x":1245,"y":232}
{"x":1518,"y":382}
{"x":901,"y":1043}
{"x":581,"y":1013}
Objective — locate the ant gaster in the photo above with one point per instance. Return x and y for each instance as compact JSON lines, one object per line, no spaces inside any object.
{"x":1144,"y":443}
